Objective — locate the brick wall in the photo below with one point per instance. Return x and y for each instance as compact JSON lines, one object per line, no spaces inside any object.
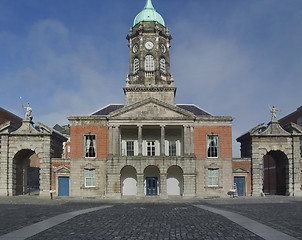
{"x":53,"y":177}
{"x":76,"y":140}
{"x":225,"y":138}
{"x":246,"y":164}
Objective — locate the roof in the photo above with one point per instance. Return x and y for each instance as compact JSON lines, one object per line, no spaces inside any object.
{"x":149,"y":14}
{"x":108,"y":109}
{"x":194,"y":109}
{"x":188,"y":107}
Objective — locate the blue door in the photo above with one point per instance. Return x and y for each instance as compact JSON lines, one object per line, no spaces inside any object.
{"x":151,"y":185}
{"x":63,"y":186}
{"x":240,"y":183}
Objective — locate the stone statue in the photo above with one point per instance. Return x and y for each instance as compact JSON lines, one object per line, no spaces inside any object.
{"x":28,"y":115}
{"x":274,"y":113}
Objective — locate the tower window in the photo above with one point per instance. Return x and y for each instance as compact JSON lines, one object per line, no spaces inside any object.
{"x":149,"y":63}
{"x":136,"y":65}
{"x":162,"y":65}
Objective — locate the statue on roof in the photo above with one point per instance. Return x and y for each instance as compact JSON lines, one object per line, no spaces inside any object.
{"x":28,"y":115}
{"x":274,"y":113}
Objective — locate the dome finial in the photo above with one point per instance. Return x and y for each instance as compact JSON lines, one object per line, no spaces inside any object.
{"x":149,"y":5}
{"x":148,"y":14}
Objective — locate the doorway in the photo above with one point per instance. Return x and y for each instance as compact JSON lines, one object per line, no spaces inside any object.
{"x":151,"y":186}
{"x":275,"y":173}
{"x":240,"y":184}
{"x":63,"y":186}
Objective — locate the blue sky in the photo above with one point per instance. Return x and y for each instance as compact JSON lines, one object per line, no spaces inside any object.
{"x":230,"y":57}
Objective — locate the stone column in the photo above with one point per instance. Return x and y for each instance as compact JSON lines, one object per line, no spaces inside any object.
{"x":4,"y":165}
{"x":191,"y":140}
{"x":115,"y":140}
{"x":113,"y":185}
{"x":110,"y":140}
{"x":163,"y":186}
{"x":296,"y":167}
{"x":189,"y":185}
{"x":140,"y":185}
{"x":45,"y":172}
{"x":162,"y":140}
{"x":257,"y":173}
{"x":185,"y":140}
{"x":140,"y":139}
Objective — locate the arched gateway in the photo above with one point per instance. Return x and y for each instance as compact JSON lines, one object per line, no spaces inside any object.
{"x":275,"y":158}
{"x":25,"y":158}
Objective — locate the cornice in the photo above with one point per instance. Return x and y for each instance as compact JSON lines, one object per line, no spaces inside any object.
{"x":149,"y":89}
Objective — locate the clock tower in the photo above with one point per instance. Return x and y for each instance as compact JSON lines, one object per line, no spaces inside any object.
{"x":149,"y":47}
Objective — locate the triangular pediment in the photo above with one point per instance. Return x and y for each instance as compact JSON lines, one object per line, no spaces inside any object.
{"x":240,"y":170}
{"x":27,"y":127}
{"x":274,"y":129}
{"x":62,"y":169}
{"x":151,"y":108}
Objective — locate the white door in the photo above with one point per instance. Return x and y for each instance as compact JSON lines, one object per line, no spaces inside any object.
{"x":129,"y":186}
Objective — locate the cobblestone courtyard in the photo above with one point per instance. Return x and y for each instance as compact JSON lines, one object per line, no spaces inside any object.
{"x":156,"y":219}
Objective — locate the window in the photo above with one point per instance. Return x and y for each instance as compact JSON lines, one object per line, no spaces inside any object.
{"x":172,"y":148}
{"x":162,"y":65}
{"x":89,"y":177}
{"x":149,"y":63}
{"x":136,"y":65}
{"x":213,"y":177}
{"x":212,"y":146}
{"x":130,"y":148}
{"x":151,"y":148}
{"x":90,"y":146}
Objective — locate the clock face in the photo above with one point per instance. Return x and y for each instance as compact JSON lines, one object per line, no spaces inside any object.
{"x":135,"y":48}
{"x":149,"y":45}
{"x":163,"y":48}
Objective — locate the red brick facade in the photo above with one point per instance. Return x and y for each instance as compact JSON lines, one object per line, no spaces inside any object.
{"x":225,"y":139}
{"x":77,"y":134}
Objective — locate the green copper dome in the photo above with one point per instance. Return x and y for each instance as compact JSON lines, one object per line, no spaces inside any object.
{"x":148,"y":14}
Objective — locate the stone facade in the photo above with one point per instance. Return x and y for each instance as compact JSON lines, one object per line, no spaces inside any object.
{"x":18,"y":145}
{"x":150,"y":146}
{"x":283,"y":146}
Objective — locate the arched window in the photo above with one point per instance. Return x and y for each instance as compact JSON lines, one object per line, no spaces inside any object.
{"x":136,"y":65}
{"x":162,"y":65}
{"x":149,"y":63}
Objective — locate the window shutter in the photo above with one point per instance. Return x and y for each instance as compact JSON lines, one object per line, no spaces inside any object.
{"x":135,"y":148}
{"x":157,"y":148}
{"x":144,"y":148}
{"x":124,"y":150}
{"x":178,"y":148}
{"x":166,"y":147}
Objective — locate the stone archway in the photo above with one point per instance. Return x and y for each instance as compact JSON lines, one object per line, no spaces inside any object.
{"x":128,"y":181}
{"x":276,"y":173}
{"x":175,"y":181}
{"x":26,"y":172}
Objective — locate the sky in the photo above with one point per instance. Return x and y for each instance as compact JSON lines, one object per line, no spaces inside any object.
{"x":229,"y":57}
